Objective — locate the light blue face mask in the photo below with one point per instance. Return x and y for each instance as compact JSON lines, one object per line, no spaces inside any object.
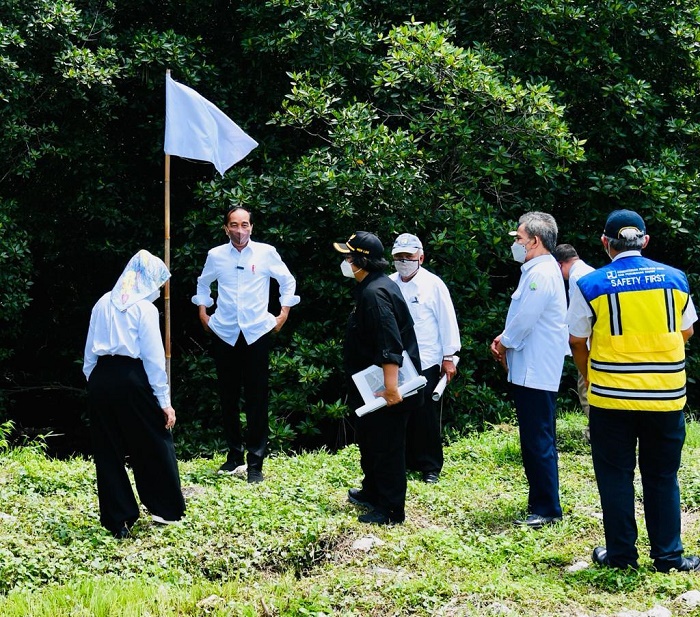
{"x":346,"y":269}
{"x":519,"y":252}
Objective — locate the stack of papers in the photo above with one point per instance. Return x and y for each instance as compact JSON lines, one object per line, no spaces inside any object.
{"x":370,"y":381}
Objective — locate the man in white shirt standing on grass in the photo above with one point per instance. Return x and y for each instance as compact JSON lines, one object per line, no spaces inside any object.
{"x":532,"y":348}
{"x":241,"y":326}
{"x":572,"y":269}
{"x":437,"y":332}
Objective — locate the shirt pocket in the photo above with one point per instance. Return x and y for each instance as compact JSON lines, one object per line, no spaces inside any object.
{"x":421,"y":311}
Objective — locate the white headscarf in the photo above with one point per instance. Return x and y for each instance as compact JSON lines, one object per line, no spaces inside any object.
{"x":143,"y":276}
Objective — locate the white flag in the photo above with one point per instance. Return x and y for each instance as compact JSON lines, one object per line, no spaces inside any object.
{"x":197,"y":129}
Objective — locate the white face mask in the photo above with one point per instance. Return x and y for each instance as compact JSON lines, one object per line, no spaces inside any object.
{"x":154,"y":295}
{"x":606,"y":248}
{"x":519,"y":252}
{"x":407,"y":268}
{"x":346,"y":269}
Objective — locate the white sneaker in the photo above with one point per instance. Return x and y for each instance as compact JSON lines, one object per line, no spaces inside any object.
{"x":160,"y":520}
{"x":241,"y":471}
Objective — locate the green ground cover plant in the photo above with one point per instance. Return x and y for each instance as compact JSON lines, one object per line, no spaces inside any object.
{"x":288,"y":546}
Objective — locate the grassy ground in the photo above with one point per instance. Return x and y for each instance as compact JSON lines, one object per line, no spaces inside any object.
{"x":288,"y":546}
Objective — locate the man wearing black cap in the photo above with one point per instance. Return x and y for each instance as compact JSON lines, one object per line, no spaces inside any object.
{"x":379,"y":329}
{"x":637,"y":315}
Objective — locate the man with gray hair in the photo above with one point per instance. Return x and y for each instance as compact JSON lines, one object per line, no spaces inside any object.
{"x":532,"y":348}
{"x":435,"y":324}
{"x":628,"y":324}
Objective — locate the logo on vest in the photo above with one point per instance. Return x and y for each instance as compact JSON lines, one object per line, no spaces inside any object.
{"x":636,"y":277}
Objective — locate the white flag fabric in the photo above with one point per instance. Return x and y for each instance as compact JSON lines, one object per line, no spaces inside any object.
{"x":197,"y":129}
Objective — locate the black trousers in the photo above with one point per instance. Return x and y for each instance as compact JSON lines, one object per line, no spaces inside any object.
{"x":126,"y":421}
{"x":381,"y":436}
{"x":424,"y":433}
{"x":243,"y":369}
{"x":656,"y":438}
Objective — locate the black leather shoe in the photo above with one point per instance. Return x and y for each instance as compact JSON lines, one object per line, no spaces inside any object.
{"x":123,"y":533}
{"x":356,"y":496}
{"x":255,"y":476}
{"x":535,"y":521}
{"x":687,"y":564}
{"x":431,"y":477}
{"x":376,"y":517}
{"x":600,"y":557}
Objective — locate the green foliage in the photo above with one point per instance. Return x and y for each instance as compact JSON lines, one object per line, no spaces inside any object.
{"x":447,"y":119}
{"x":15,"y":278}
{"x":5,"y":431}
{"x":303,"y":379}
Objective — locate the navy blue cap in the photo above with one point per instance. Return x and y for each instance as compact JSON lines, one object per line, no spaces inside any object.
{"x":623,"y":219}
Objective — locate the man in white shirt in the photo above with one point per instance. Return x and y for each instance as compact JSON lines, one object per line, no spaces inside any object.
{"x":532,"y":348}
{"x":572,"y":269}
{"x":241,"y":325}
{"x":437,"y":332}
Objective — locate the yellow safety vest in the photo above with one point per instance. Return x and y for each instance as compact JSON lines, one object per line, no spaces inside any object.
{"x":637,"y":355}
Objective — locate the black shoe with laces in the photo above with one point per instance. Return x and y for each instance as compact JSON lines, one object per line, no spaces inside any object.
{"x":356,"y":496}
{"x":431,"y":477}
{"x":377,"y":517}
{"x":535,"y":521}
{"x":600,"y":557}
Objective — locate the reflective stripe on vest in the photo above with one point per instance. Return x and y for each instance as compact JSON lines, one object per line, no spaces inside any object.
{"x":637,"y":357}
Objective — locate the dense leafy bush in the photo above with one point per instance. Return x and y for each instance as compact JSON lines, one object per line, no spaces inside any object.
{"x":447,"y":119}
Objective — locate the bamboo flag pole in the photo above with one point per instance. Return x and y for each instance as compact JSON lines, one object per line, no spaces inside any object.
{"x":195,"y":129}
{"x":167,"y":263}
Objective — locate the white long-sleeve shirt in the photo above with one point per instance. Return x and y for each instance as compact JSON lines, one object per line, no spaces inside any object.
{"x":243,"y":284}
{"x":536,"y":335}
{"x":134,"y":333}
{"x":434,"y":317}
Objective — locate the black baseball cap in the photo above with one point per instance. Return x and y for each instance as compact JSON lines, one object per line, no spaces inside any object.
{"x":361,"y":243}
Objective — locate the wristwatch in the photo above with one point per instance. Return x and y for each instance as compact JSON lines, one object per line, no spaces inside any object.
{"x":448,"y":358}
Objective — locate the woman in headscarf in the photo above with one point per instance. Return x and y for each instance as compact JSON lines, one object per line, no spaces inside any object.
{"x":129,"y":400}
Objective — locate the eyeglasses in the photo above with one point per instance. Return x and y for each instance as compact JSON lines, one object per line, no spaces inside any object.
{"x":404,"y":261}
